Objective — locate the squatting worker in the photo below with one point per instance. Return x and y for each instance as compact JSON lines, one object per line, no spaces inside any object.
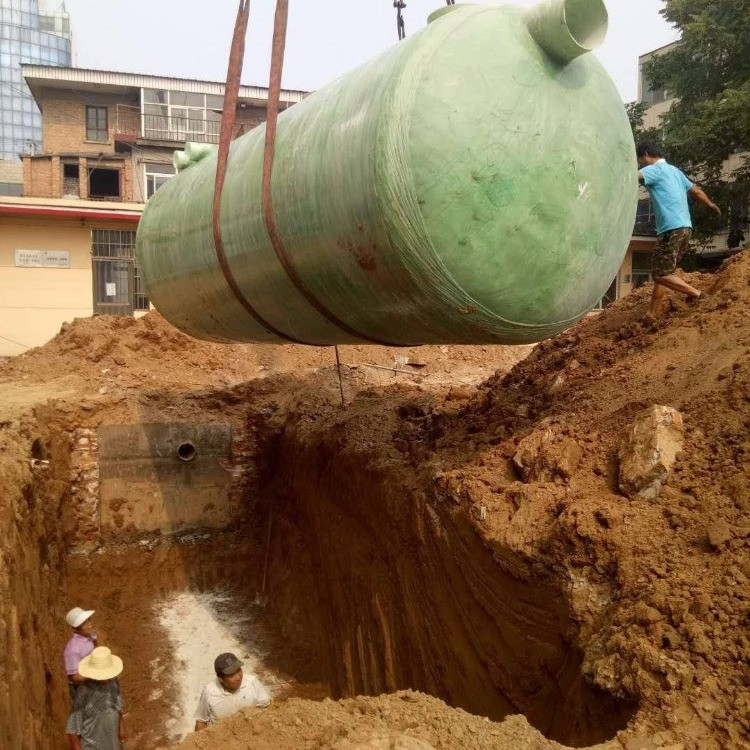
{"x":95,"y":721}
{"x":231,"y":691}
{"x":80,"y":644}
{"x":669,"y":189}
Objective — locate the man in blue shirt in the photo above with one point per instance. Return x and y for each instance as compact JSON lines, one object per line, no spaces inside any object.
{"x":669,"y":189}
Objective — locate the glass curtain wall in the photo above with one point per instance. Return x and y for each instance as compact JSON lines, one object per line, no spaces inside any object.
{"x":27,"y":36}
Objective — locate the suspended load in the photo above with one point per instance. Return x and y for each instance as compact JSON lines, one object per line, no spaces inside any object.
{"x":473,"y":184}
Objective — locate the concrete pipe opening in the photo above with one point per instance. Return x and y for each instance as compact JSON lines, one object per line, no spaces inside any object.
{"x":187,"y":451}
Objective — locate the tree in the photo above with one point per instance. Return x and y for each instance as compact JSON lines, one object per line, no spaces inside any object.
{"x":636,"y":111}
{"x":707,"y":129}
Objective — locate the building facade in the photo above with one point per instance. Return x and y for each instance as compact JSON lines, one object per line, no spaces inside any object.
{"x":31,"y":31}
{"x":67,"y":247}
{"x":111,"y":136}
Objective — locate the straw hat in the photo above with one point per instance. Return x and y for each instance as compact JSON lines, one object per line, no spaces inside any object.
{"x":100,"y":664}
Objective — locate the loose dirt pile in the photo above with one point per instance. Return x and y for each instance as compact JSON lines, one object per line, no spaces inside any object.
{"x":106,"y":354}
{"x":403,"y":721}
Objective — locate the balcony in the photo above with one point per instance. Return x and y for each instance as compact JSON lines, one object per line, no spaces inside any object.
{"x":133,"y":126}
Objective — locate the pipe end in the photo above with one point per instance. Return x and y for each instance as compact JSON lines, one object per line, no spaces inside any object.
{"x":566,"y":29}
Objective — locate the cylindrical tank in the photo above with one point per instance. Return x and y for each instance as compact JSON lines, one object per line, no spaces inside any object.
{"x":473,"y":184}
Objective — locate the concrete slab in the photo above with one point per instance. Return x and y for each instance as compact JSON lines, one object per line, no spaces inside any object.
{"x":166,"y":477}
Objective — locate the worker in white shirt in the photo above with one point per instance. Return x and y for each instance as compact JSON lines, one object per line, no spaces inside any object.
{"x":231,"y":691}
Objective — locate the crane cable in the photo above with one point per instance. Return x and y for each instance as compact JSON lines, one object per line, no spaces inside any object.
{"x":399,"y":5}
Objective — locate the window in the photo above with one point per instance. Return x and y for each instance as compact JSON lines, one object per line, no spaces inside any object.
{"x":140,"y":298}
{"x":11,"y":188}
{"x":648,"y":94}
{"x":180,"y":116}
{"x":156,"y":176}
{"x":118,"y":287}
{"x":113,"y":243}
{"x":609,"y":297}
{"x":96,"y":124}
{"x":645,"y":221}
{"x":71,"y":184}
{"x":641,"y":268}
{"x":104,"y":183}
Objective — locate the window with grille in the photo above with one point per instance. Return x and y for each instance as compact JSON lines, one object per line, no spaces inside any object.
{"x":118,"y":285}
{"x":96,"y":124}
{"x":113,"y":243}
{"x":140,"y":298}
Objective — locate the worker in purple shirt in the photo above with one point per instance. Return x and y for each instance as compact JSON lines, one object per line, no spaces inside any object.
{"x":80,"y":645}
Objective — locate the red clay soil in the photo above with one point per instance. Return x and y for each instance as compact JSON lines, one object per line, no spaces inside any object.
{"x":106,"y":370}
{"x":402,"y":721}
{"x":426,"y":561}
{"x":408,"y":551}
{"x":107,"y":354}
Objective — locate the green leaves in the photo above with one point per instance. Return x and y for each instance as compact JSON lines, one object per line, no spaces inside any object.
{"x":707,"y":130}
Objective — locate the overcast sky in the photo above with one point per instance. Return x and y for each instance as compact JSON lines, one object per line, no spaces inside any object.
{"x":191,"y":38}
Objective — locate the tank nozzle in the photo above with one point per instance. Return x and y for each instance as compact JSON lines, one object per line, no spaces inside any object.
{"x":566,"y":29}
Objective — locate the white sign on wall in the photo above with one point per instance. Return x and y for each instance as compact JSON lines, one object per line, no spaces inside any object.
{"x":43,"y":258}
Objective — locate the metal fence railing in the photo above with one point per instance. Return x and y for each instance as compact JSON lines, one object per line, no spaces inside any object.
{"x":132,"y":123}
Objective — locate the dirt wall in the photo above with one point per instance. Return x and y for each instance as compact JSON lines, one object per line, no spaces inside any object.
{"x":34,"y":468}
{"x":401,"y":591}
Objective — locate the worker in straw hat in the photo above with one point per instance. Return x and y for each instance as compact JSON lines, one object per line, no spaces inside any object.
{"x":80,"y":644}
{"x":95,"y":721}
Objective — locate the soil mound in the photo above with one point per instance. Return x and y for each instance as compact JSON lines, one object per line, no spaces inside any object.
{"x":471,"y":543}
{"x":402,"y":721}
{"x":147,"y":349}
{"x":134,"y":352}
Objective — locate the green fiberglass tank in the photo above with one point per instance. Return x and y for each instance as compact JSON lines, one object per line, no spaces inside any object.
{"x":473,"y":184}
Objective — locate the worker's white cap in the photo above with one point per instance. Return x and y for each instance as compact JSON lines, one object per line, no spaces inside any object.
{"x":77,"y":616}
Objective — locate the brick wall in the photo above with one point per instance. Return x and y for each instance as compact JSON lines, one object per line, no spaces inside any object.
{"x":83,"y":512}
{"x":43,"y":176}
{"x":10,"y":171}
{"x":64,"y":122}
{"x":38,"y":177}
{"x":249,"y":118}
{"x":128,"y":120}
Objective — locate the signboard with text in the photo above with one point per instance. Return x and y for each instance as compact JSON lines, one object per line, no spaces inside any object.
{"x":43,"y":258}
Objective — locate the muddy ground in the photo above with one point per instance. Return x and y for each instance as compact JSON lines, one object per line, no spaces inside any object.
{"x":528,"y":601}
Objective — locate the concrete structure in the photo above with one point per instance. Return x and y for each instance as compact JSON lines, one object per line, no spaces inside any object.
{"x":67,"y":246}
{"x":164,"y":478}
{"x":31,"y":31}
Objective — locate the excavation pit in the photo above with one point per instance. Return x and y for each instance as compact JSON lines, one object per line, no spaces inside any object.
{"x":339,"y":582}
{"x":406,"y":548}
{"x":169,"y":607}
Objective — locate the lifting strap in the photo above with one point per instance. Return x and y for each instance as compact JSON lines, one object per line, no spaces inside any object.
{"x":231,"y":94}
{"x":234,"y":73}
{"x":274,"y":95}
